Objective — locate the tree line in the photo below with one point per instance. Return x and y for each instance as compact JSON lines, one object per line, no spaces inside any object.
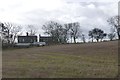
{"x":61,"y":33}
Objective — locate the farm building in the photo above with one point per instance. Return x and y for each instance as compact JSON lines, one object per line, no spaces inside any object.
{"x":46,"y":39}
{"x":27,"y":39}
{"x":32,"y":39}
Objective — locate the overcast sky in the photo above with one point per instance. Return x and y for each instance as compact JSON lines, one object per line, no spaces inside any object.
{"x":89,"y":13}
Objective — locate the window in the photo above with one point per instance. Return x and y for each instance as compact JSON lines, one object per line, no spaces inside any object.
{"x":31,"y":40}
{"x":23,"y":40}
{"x":34,"y":40}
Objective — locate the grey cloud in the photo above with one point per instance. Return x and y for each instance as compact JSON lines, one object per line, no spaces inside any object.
{"x":89,"y":14}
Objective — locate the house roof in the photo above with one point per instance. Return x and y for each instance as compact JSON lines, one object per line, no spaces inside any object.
{"x":45,"y":37}
{"x":27,"y":36}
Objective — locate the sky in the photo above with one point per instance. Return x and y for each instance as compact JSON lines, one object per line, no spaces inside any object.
{"x":89,"y":13}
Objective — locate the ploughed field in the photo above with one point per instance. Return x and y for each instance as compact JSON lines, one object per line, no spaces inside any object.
{"x":89,"y":60}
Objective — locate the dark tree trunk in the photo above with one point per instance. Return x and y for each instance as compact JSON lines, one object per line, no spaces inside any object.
{"x":8,"y":37}
{"x":111,"y":39}
{"x":97,"y":40}
{"x":118,"y":35}
{"x":74,"y":40}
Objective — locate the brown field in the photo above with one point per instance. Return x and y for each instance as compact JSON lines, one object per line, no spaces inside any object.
{"x":90,"y":60}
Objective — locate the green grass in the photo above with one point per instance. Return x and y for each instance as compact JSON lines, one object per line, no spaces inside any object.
{"x":52,"y":62}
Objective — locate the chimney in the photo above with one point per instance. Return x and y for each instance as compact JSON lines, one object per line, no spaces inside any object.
{"x":26,"y":33}
{"x":39,"y":37}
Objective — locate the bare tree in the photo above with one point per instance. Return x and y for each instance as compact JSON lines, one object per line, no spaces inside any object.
{"x":75,"y":31}
{"x":55,"y":30}
{"x":66,"y":32}
{"x":83,"y":38}
{"x":12,"y":31}
{"x":31,"y":29}
{"x":112,"y":33}
{"x":115,"y":22}
{"x":111,"y":36}
{"x":60,"y":32}
{"x":15,"y":32}
{"x":91,"y":35}
{"x":3,"y":33}
{"x":8,"y":27}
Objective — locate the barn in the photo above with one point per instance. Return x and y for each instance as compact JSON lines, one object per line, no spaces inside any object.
{"x":33,"y":38}
{"x":46,"y":39}
{"x":27,"y":39}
